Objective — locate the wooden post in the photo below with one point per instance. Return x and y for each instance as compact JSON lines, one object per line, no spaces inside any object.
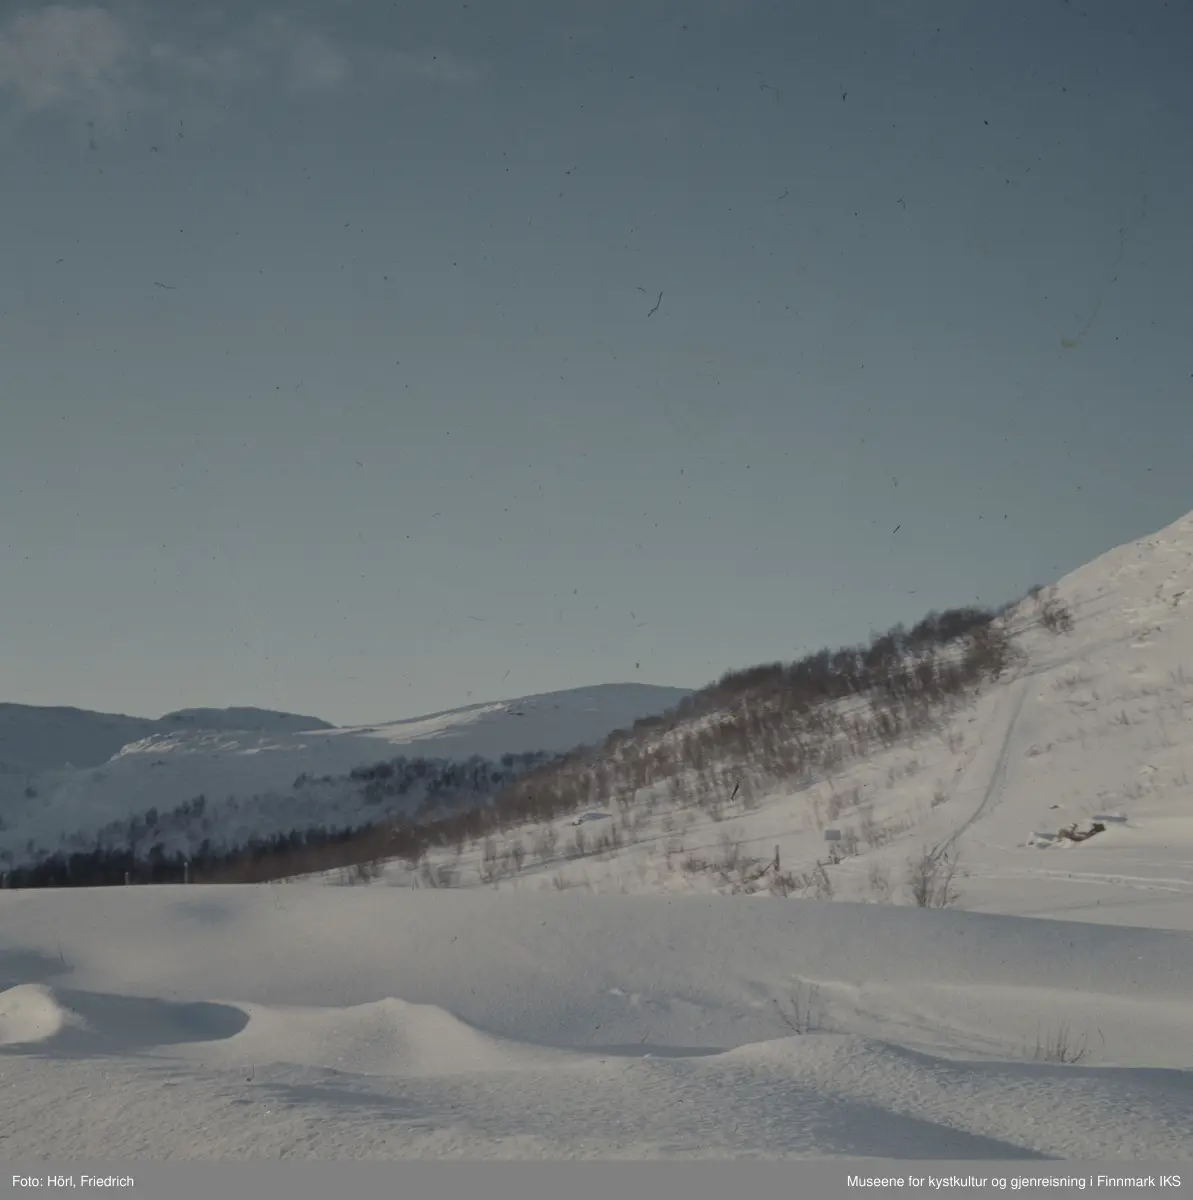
{"x":776,"y":860}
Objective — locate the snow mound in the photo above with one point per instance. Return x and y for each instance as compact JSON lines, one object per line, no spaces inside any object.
{"x":31,"y":1013}
{"x":564,"y":1026}
{"x":386,"y":1037}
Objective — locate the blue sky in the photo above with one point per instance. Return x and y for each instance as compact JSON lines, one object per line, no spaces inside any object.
{"x":334,"y":375}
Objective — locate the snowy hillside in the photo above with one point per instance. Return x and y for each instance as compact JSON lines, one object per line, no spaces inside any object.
{"x":1091,"y":726}
{"x":244,"y":764}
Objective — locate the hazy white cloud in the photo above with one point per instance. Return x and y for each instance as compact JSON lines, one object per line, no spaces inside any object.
{"x":85,"y":57}
{"x":59,"y":56}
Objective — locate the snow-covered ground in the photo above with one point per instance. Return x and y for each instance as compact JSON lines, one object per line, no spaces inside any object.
{"x":613,"y":1004}
{"x":293,"y":1021}
{"x":204,"y":753}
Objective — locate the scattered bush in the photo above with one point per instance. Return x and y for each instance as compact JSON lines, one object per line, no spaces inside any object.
{"x":1052,"y":613}
{"x":1060,"y":1046}
{"x":803,"y":1013}
{"x":879,"y":879}
{"x":930,"y":880}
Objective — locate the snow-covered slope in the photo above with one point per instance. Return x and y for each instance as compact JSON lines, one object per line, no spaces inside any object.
{"x":303,"y":1021}
{"x":1095,"y":724}
{"x":553,"y":721}
{"x":235,"y":753}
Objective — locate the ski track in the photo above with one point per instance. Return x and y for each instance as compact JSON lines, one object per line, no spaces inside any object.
{"x":997,"y":779}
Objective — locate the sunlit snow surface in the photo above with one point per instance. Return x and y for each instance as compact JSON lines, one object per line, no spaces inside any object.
{"x":300,"y":1020}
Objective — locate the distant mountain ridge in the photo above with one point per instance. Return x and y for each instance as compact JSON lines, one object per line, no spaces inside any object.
{"x":227,"y":776}
{"x":36,"y":738}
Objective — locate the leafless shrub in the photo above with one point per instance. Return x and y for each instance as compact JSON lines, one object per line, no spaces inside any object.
{"x":517,"y":853}
{"x":871,"y":833}
{"x":364,"y":872}
{"x":608,"y":842}
{"x":803,"y":1012}
{"x":545,"y":843}
{"x":1060,"y":1046}
{"x":990,"y":653}
{"x":902,"y":771}
{"x":818,"y":883}
{"x":633,"y":824}
{"x":490,"y":867}
{"x":747,"y":795}
{"x":837,"y":804}
{"x":730,"y":851}
{"x":930,"y":880}
{"x":876,"y":834}
{"x":783,"y":883}
{"x":441,"y":876}
{"x":1072,"y":680}
{"x":879,"y":880}
{"x":1053,"y":614}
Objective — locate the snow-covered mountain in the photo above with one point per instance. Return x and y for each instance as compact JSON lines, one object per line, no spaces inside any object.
{"x":259,"y":773}
{"x":35,"y":738}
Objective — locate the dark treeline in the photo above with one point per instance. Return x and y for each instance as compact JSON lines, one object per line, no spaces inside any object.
{"x":136,"y":850}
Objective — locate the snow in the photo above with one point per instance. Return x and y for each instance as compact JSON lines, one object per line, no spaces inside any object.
{"x":244,"y":755}
{"x":620,"y":1004}
{"x":308,"y":1021}
{"x":1092,"y":727}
